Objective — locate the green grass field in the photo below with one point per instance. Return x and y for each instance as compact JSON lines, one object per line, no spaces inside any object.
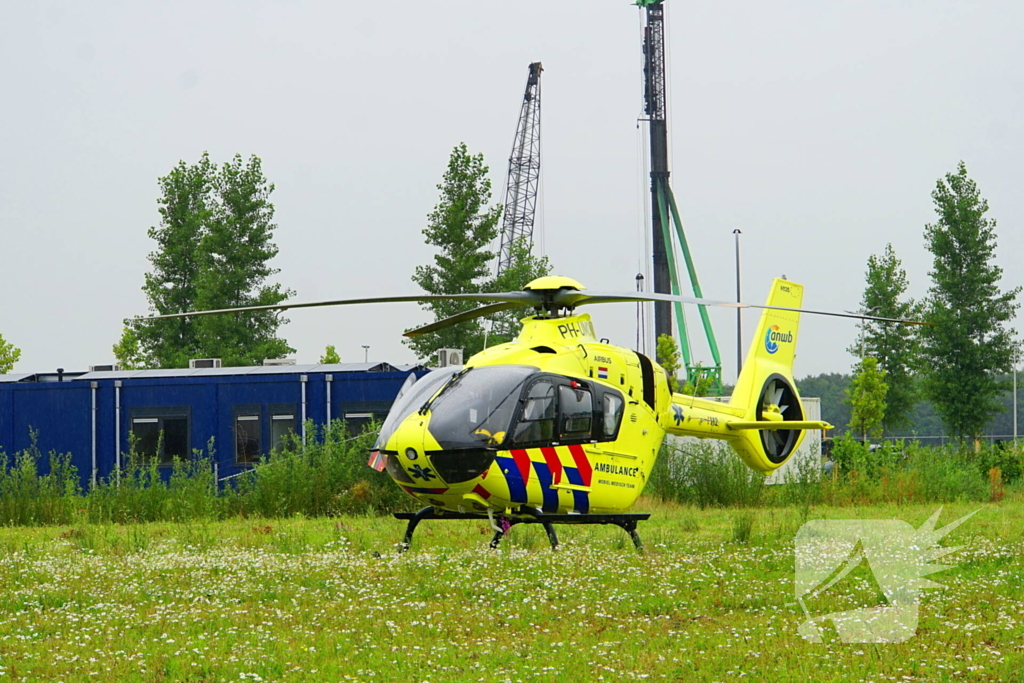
{"x":310,"y":600}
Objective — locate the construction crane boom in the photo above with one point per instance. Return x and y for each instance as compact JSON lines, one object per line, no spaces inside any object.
{"x":523,"y":173}
{"x":664,"y":212}
{"x":657,"y":123}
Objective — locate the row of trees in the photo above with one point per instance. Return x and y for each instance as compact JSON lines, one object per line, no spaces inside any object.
{"x":214,"y":244}
{"x":959,"y":360}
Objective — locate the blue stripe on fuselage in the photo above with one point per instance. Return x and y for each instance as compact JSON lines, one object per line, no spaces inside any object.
{"x":550,"y":494}
{"x":581,"y":499}
{"x":516,"y":485}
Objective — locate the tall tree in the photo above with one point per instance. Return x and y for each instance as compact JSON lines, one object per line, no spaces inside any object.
{"x":970,"y":344}
{"x":236,"y":251}
{"x":214,"y":244}
{"x":896,"y":347}
{"x":461,"y":227}
{"x":867,"y":398}
{"x":524,"y":267}
{"x":9,"y":355}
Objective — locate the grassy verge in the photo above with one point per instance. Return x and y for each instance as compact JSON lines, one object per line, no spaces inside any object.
{"x":309,"y":599}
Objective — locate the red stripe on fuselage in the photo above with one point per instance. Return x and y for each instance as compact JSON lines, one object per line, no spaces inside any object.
{"x":481,"y":491}
{"x":522,"y":461}
{"x":582,"y":463}
{"x":554,"y":464}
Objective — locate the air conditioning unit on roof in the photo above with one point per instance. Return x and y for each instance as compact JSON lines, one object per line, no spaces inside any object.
{"x":279,"y":361}
{"x":203,"y":363}
{"x":446,"y":357}
{"x":105,"y":368}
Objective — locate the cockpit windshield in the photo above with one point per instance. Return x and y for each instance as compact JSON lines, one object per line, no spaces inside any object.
{"x":477,"y":409}
{"x":412,"y":400}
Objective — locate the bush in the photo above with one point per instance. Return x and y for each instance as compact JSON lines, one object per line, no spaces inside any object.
{"x":28,"y":497}
{"x":1007,"y":456}
{"x":948,"y":474}
{"x":144,"y":492}
{"x":707,"y":474}
{"x":327,"y":476}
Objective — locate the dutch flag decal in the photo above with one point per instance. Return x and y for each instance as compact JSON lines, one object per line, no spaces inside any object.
{"x":602,"y":373}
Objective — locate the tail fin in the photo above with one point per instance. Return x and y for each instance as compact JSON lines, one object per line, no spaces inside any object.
{"x":765,"y":389}
{"x":774,"y":345}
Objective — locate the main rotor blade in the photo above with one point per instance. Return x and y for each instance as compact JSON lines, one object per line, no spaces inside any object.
{"x":576,"y":298}
{"x":464,"y":316}
{"x":517,"y":298}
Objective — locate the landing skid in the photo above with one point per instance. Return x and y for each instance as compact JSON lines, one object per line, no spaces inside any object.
{"x":627,"y":522}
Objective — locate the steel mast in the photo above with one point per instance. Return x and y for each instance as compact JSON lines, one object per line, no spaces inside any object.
{"x":664,"y":212}
{"x":523,"y":173}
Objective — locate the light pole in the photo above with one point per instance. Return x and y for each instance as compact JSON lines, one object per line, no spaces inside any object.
{"x":739,"y":316}
{"x":366,"y":353}
{"x":641,"y":327}
{"x":1016,"y":358}
{"x":863,"y":324}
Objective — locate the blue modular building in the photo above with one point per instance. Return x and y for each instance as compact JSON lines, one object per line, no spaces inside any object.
{"x":246,"y":411}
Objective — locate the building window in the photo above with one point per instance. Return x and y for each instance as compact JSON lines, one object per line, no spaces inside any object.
{"x":358,"y":422}
{"x":282,"y":428}
{"x":248,"y":446}
{"x":160,"y":436}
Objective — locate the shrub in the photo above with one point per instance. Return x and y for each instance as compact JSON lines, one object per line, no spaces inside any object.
{"x":325,"y":476}
{"x":707,"y":474}
{"x":28,"y":497}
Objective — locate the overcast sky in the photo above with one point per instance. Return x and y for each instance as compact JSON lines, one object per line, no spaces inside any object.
{"x":818,"y":129}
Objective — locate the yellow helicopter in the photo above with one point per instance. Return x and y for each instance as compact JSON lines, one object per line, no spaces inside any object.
{"x":558,"y":426}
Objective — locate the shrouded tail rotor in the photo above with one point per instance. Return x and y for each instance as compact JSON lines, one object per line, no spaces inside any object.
{"x":779,"y":402}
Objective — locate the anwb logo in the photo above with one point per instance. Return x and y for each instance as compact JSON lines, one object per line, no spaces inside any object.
{"x":773,"y":337}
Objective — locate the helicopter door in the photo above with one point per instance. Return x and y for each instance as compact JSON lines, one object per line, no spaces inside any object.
{"x":537,"y":422}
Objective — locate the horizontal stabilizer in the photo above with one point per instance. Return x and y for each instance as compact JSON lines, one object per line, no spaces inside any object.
{"x":778,"y":424}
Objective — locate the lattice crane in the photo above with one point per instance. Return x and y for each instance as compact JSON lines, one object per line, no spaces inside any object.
{"x":523,"y":173}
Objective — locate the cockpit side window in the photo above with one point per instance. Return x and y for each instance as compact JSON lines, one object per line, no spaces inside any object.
{"x":410,"y":400}
{"x":537,"y":422}
{"x":612,"y":414}
{"x":577,"y":412}
{"x":475,"y":409}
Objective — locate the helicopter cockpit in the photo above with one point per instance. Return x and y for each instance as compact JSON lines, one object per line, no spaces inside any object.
{"x":477,"y":411}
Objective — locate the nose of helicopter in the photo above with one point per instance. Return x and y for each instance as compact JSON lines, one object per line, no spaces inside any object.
{"x":452,"y":438}
{"x":435,"y":468}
